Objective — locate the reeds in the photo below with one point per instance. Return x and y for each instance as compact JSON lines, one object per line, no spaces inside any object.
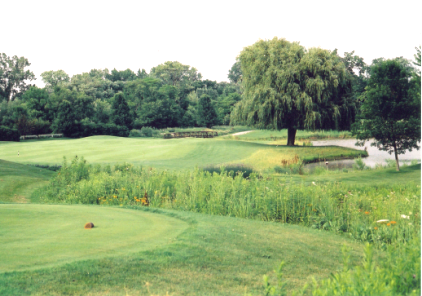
{"x":337,"y":207}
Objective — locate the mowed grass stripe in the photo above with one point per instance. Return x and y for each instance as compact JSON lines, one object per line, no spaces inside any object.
{"x":169,"y":154}
{"x":34,"y":236}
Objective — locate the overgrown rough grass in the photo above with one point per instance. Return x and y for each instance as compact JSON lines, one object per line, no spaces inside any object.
{"x":397,"y":273}
{"x":214,"y":256}
{"x":172,"y":154}
{"x":342,"y":208}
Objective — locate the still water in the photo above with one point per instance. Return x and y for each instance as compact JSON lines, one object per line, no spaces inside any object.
{"x":375,"y":156}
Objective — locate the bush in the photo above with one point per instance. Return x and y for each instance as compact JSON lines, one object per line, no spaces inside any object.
{"x":231,"y":170}
{"x":53,"y":168}
{"x":135,"y":133}
{"x":147,"y":131}
{"x":359,"y":164}
{"x":9,"y":134}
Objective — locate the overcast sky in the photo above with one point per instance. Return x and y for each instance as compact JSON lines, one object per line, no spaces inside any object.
{"x":77,"y":36}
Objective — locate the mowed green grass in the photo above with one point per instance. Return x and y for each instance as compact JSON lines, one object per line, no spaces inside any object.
{"x":214,"y":255}
{"x":34,"y":236}
{"x":183,"y":153}
{"x":17,"y":181}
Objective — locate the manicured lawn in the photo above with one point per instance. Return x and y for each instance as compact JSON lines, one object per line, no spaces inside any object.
{"x":35,"y":236}
{"x":165,"y":154}
{"x":17,"y":181}
{"x":179,"y":252}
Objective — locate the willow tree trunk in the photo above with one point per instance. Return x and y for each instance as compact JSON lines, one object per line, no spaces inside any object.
{"x":397,"y":157}
{"x":291,"y":135}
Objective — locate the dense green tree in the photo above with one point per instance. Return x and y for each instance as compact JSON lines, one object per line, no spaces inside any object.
{"x":125,"y":75}
{"x":225,"y":105}
{"x":13,"y":76}
{"x":357,"y":71}
{"x":54,"y":78}
{"x":69,"y":108}
{"x":141,"y":74}
{"x":175,"y":73}
{"x":207,"y":116}
{"x":235,"y":73}
{"x":390,"y":113}
{"x":120,"y":111}
{"x":66,"y":120}
{"x":286,"y":86}
{"x":36,"y":100}
{"x":102,"y":111}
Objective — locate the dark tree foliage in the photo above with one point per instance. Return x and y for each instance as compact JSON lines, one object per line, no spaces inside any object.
{"x":9,"y":134}
{"x":206,"y":112}
{"x":36,"y":100}
{"x":121,"y":114}
{"x":13,"y":76}
{"x":390,"y":112}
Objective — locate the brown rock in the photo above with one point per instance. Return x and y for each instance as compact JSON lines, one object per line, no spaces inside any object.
{"x":89,"y":225}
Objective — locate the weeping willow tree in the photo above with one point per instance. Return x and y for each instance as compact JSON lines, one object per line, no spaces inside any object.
{"x":287,"y":86}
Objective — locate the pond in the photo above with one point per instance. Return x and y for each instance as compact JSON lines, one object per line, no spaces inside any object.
{"x":375,"y":156}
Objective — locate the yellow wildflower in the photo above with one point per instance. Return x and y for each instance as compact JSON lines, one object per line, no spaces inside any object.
{"x":388,"y":224}
{"x":393,"y":222}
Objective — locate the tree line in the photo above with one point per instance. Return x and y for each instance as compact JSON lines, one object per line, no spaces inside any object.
{"x":274,"y":84}
{"x":110,"y":102}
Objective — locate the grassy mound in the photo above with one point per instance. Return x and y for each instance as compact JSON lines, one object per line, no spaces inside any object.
{"x":35,"y":236}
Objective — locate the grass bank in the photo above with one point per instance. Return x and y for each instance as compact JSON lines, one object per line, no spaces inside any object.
{"x":18,"y":181}
{"x":174,"y":154}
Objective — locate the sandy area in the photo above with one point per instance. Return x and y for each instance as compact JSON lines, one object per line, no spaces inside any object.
{"x":241,"y":133}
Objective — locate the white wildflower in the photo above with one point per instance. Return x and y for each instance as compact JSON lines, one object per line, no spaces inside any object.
{"x":404,"y":217}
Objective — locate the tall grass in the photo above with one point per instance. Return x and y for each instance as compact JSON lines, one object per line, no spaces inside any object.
{"x":337,"y":207}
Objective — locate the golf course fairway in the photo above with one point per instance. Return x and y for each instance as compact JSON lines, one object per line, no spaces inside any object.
{"x":35,"y":236}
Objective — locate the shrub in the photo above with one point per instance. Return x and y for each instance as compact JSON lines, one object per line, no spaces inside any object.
{"x":135,"y":133}
{"x":231,"y":170}
{"x":147,"y":131}
{"x":53,"y":168}
{"x":9,"y":134}
{"x":359,"y":164}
